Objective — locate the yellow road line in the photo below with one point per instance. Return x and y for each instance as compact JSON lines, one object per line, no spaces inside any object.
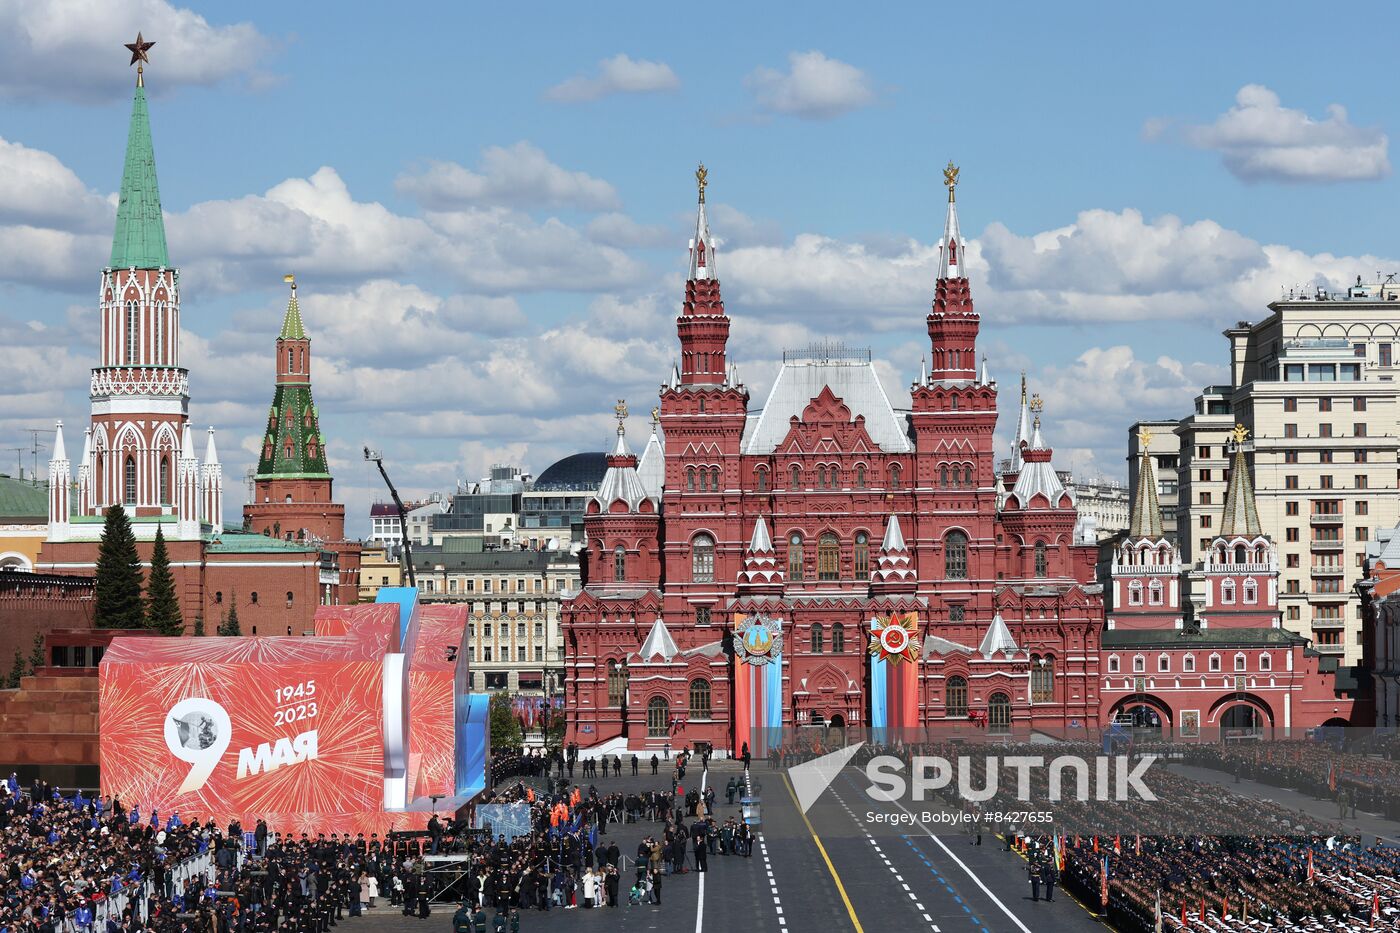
{"x":841,"y":888}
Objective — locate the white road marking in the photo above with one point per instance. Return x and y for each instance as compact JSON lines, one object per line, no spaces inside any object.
{"x":700,"y":890}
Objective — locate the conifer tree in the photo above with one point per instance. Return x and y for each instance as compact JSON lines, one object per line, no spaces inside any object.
{"x":119,"y":602}
{"x":16,"y":671}
{"x":230,"y":626}
{"x":199,"y":625}
{"x":36,"y":654}
{"x":162,"y":605}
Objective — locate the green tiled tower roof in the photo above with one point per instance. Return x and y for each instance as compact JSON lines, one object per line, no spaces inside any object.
{"x":1241,"y":518}
{"x":139,"y":240}
{"x":293,"y":446}
{"x":292,"y":328}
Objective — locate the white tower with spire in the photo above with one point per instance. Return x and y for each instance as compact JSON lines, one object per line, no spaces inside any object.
{"x":187,"y":488}
{"x":212,"y":474}
{"x":60,"y":482}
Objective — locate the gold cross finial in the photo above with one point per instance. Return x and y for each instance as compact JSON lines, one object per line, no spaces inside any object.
{"x":1240,"y":433}
{"x":655,"y":417}
{"x":290,"y":279}
{"x":701,"y":176}
{"x":1037,"y":405}
{"x":950,"y":178}
{"x":1145,"y":438}
{"x":620,"y":412}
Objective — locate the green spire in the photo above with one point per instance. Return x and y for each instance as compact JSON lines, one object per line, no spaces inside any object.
{"x":291,"y":324}
{"x":1147,"y":514}
{"x":1241,"y":518}
{"x":139,"y":240}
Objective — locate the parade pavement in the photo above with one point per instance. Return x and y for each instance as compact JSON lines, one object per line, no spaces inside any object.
{"x":836,"y":868}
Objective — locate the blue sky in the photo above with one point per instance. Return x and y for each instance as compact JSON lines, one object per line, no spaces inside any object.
{"x":487,"y":207}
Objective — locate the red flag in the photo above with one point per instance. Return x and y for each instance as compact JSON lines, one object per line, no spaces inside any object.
{"x":1203,"y":908}
{"x":1184,"y":922}
{"x":1137,"y":845}
{"x":1224,"y":907}
{"x":1331,"y":777}
{"x":1311,"y":873}
{"x":1096,"y":845}
{"x":1375,"y":908}
{"x":1117,"y":845}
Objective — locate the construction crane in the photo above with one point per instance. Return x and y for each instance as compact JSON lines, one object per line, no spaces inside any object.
{"x":377,"y":458}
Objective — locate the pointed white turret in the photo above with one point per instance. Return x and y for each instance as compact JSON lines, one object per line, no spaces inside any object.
{"x":651,"y":469}
{"x":621,"y":481}
{"x":1023,"y":422}
{"x":659,"y":643}
{"x":986,"y":377}
{"x":998,"y":639}
{"x":950,"y":247}
{"x":1036,"y":475}
{"x":894,"y":568}
{"x":187,"y":487}
{"x":85,"y":474}
{"x":675,"y":376}
{"x":923,"y":371}
{"x":212,"y":475}
{"x":702,"y":245}
{"x":60,"y":483}
{"x":761,"y":567}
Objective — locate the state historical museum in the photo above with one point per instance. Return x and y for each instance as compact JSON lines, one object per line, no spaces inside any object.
{"x":829,"y":559}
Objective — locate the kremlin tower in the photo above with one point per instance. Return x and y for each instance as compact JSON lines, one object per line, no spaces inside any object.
{"x":139,"y":449}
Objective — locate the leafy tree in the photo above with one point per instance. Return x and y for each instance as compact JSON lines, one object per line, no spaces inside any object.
{"x":231,"y":626}
{"x":36,"y":654}
{"x":16,"y":671}
{"x":119,"y":602}
{"x":162,"y":605}
{"x":505,"y":727}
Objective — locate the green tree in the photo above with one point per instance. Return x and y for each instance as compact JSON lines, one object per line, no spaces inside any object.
{"x":230,"y":625}
{"x":119,"y":602}
{"x":36,"y":654}
{"x":162,"y":605}
{"x":505,"y":727}
{"x":16,"y":671}
{"x":199,"y":625}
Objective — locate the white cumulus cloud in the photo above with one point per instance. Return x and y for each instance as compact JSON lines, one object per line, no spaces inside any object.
{"x":71,"y":49}
{"x":620,"y":74}
{"x":1259,"y":139}
{"x":814,"y":87}
{"x":511,"y":176}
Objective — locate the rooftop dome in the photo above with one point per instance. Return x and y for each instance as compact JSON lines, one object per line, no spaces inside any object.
{"x":575,"y":473}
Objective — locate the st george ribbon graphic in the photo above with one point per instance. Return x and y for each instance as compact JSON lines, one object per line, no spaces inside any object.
{"x":758,"y":682}
{"x":894,"y":674}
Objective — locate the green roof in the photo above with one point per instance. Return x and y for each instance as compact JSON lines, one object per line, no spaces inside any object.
{"x":1177,"y":638}
{"x":22,"y":501}
{"x":291,"y":324}
{"x":293,"y":447}
{"x":139,"y":240}
{"x":243,"y":542}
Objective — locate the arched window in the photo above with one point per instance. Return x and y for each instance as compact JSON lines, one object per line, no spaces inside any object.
{"x":700,"y":698}
{"x":714,"y":479}
{"x":828,"y":557}
{"x":1113,"y":663}
{"x":133,"y":334}
{"x":658,"y":718}
{"x":157,"y":320}
{"x":1241,"y":554}
{"x":1135,"y":593}
{"x":1188,"y":664}
{"x":955,"y":697}
{"x":1239,"y":661}
{"x":943,"y":476}
{"x":862,"y":556}
{"x":289,"y":599}
{"x":165,"y":479}
{"x":291,"y":361}
{"x":1139,"y":664}
{"x":129,"y":480}
{"x":617,"y":682}
{"x":795,"y":474}
{"x":818,"y":639}
{"x":954,"y":399}
{"x":1042,"y":561}
{"x":761,"y":479}
{"x":1251,"y":591}
{"x":794,"y":568}
{"x":619,"y":564}
{"x":821,"y":476}
{"x":955,"y":556}
{"x":1265,"y":664}
{"x":860,"y":476}
{"x":838,"y":639}
{"x":894,"y":475}
{"x":1154,"y":593}
{"x":690,"y":479}
{"x":702,"y":559}
{"x":1043,"y":679}
{"x":1227,"y":591}
{"x":967,"y":477}
{"x":833,"y":477}
{"x":999,"y":714}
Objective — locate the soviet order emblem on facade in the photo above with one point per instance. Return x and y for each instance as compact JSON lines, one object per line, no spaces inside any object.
{"x":894,"y":637}
{"x":758,"y":639}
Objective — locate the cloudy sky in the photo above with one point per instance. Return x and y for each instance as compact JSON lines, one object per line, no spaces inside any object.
{"x":487,"y":210}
